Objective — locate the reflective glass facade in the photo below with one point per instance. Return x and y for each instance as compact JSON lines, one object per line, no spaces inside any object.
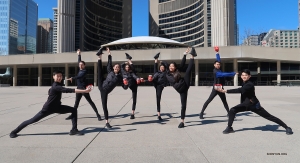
{"x":4,"y":26}
{"x":18,"y":26}
{"x":185,"y":25}
{"x":103,"y":22}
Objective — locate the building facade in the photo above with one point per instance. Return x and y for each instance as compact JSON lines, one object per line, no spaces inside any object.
{"x":45,"y":36}
{"x":54,"y":30}
{"x":87,"y":24}
{"x":18,"y":27}
{"x":65,"y":26}
{"x":281,"y":38}
{"x":268,"y":66}
{"x":105,"y":21}
{"x":254,"y":40}
{"x":200,"y":23}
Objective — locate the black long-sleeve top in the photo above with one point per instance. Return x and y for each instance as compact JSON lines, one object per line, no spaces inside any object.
{"x":54,"y":95}
{"x":81,"y":77}
{"x":247,"y":91}
{"x":112,"y":79}
{"x":130,"y":76}
{"x":180,"y":85}
{"x":159,"y":77}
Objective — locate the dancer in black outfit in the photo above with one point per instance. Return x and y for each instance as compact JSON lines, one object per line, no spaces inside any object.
{"x":219,"y":78}
{"x":81,"y":84}
{"x":53,"y":105}
{"x":181,"y":85}
{"x":249,"y":102}
{"x":159,"y":81}
{"x":128,"y":72}
{"x":114,"y":77}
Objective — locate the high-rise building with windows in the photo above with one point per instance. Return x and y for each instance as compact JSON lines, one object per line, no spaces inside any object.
{"x":45,"y":36}
{"x":202,"y":23}
{"x":281,"y":38}
{"x":86,"y":25}
{"x":54,"y":44}
{"x":18,"y":26}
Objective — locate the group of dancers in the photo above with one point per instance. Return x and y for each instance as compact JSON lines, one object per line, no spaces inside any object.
{"x":164,"y":74}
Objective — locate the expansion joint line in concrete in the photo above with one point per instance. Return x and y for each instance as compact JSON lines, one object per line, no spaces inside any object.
{"x":99,"y":133}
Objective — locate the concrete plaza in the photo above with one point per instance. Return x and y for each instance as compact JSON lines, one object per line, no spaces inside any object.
{"x":145,"y":139}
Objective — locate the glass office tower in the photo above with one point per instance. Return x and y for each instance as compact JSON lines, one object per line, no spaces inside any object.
{"x":18,"y":26}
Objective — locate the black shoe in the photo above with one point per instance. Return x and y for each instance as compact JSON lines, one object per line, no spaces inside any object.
{"x":128,"y":56}
{"x":193,"y":52}
{"x":99,"y":117}
{"x":13,"y":135}
{"x":289,"y":131}
{"x":159,"y":118}
{"x":100,"y":51}
{"x":201,"y":116}
{"x":132,"y":116}
{"x":228,"y":130}
{"x":76,"y":132}
{"x":157,"y":55}
{"x":108,"y":125}
{"x":69,"y":117}
{"x":181,"y":125}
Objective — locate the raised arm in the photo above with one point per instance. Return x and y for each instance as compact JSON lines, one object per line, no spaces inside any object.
{"x":79,"y":55}
{"x":109,"y":64}
{"x":218,"y":58}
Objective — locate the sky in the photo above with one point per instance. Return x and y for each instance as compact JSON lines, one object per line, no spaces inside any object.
{"x":252,"y":15}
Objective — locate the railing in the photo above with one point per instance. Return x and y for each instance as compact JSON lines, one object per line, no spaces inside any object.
{"x":288,"y":83}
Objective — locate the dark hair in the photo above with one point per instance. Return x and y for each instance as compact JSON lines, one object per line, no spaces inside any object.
{"x":246,"y":71}
{"x":127,"y":64}
{"x":175,"y":65}
{"x":217,"y":62}
{"x":82,"y":62}
{"x":57,"y":72}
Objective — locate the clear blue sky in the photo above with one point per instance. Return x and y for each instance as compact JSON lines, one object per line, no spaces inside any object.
{"x":256,"y":15}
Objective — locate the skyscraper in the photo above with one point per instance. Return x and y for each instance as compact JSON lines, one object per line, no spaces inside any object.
{"x":105,"y":21}
{"x":45,"y":35}
{"x":85,"y":24}
{"x":65,"y":26}
{"x":202,"y":23}
{"x":18,"y":26}
{"x":55,"y":15}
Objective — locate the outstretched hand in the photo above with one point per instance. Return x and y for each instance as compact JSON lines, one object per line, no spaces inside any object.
{"x":78,"y":51}
{"x":70,"y":79}
{"x":220,"y":90}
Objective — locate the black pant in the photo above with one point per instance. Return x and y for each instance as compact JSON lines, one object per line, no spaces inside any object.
{"x":134,"y":95}
{"x":158,"y":90}
{"x":103,"y":93}
{"x":183,"y":95}
{"x":212,"y":95}
{"x":261,"y":111}
{"x":88,"y":98}
{"x":63,"y":109}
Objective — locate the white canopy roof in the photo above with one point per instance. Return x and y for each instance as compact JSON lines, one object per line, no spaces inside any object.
{"x":145,"y":40}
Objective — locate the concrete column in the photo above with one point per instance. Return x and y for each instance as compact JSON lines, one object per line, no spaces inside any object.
{"x":66,"y":74}
{"x":235,"y":69}
{"x":95,"y":74}
{"x":196,"y":72}
{"x":278,"y":72}
{"x":40,"y":72}
{"x":29,"y":76}
{"x":15,"y":76}
{"x":258,"y":72}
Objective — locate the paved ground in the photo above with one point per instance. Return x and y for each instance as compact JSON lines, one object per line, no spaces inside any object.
{"x":145,"y":139}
